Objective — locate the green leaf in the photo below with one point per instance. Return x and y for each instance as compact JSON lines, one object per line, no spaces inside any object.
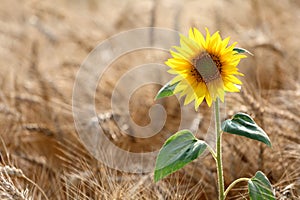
{"x":166,"y":90}
{"x":241,"y":50}
{"x":242,"y":124}
{"x":180,"y":149}
{"x":260,"y":188}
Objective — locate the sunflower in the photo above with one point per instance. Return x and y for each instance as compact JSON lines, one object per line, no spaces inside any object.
{"x":204,"y":67}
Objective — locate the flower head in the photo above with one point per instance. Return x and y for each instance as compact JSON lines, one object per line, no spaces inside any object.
{"x":205,"y":67}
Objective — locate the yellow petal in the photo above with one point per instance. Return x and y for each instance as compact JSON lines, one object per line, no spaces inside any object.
{"x":189,"y":97}
{"x":207,"y":38}
{"x":233,"y":79}
{"x":176,"y":79}
{"x":172,"y":71}
{"x":186,"y":53}
{"x":191,"y":35}
{"x":208,"y":99}
{"x":189,"y":44}
{"x":225,"y":42}
{"x":198,"y":101}
{"x":177,"y":55}
{"x":199,"y":37}
{"x":180,"y":88}
{"x":178,"y":64}
{"x":230,"y":87}
{"x":201,"y":90}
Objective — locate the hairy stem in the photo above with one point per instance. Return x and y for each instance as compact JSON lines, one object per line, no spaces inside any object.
{"x":219,"y":150}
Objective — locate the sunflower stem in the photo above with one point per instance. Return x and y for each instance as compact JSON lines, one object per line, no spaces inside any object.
{"x":219,"y":150}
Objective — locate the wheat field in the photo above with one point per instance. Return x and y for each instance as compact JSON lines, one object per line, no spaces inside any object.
{"x":42,"y":46}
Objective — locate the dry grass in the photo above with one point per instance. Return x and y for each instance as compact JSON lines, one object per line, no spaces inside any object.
{"x":41,"y":48}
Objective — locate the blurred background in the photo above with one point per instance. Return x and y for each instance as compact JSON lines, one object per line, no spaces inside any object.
{"x":42,"y":45}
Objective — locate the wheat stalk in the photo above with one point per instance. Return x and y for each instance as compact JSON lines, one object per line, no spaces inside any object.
{"x":11,"y":190}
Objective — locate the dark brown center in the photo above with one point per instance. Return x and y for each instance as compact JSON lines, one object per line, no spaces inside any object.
{"x":206,"y":68}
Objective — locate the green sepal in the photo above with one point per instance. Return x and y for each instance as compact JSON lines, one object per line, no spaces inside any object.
{"x":242,"y":124}
{"x":260,"y":188}
{"x":166,"y":90}
{"x":241,"y":50}
{"x":180,"y":149}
